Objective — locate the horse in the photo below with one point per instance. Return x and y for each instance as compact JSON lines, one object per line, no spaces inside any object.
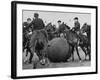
{"x":62,"y":28}
{"x":51,"y":30}
{"x":83,"y":43}
{"x":26,"y":37}
{"x":73,"y":39}
{"x":38,"y":45}
{"x":87,"y":29}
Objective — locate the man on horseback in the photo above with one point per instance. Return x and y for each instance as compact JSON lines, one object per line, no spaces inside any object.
{"x":61,"y":28}
{"x":26,"y":24}
{"x":76,"y":27}
{"x":72,"y":37}
{"x":25,"y":32}
{"x":85,"y":39}
{"x":37,"y":22}
{"x":37,"y":27}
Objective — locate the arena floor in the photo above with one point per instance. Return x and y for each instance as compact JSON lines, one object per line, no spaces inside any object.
{"x":70,"y":63}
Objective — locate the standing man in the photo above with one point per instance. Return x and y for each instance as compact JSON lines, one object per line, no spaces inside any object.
{"x":76,"y":27}
{"x":37,"y":22}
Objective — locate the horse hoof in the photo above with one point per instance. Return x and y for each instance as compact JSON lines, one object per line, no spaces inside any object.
{"x":72,"y":60}
{"x":30,"y":62}
{"x":34,"y":67}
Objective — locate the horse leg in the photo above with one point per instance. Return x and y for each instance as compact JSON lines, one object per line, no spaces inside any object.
{"x":84,"y":51}
{"x":23,"y":49}
{"x":89,"y":53}
{"x":43,"y":58}
{"x":26,"y":52}
{"x":78,"y":53}
{"x":72,"y":53}
{"x":31,"y":56}
{"x":23,"y":46}
{"x":89,"y":57}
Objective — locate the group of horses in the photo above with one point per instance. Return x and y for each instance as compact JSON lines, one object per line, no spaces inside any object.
{"x":37,"y":41}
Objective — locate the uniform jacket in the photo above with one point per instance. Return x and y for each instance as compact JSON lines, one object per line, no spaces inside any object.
{"x":77,"y":26}
{"x":37,"y":24}
{"x":25,"y":26}
{"x":61,"y":28}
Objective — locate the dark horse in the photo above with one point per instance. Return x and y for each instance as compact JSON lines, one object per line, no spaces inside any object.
{"x":38,"y":45}
{"x":73,"y":40}
{"x":62,"y":28}
{"x":26,"y":38}
{"x":86,"y":41}
{"x":51,"y":30}
{"x":83,"y":43}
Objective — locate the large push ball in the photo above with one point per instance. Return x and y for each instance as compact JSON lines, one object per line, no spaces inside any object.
{"x":58,"y":50}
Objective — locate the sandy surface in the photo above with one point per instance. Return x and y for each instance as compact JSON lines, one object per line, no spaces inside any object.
{"x":70,"y":63}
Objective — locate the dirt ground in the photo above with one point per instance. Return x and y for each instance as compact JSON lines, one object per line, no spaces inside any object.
{"x":70,"y":63}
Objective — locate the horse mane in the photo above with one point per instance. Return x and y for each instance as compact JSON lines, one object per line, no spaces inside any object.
{"x":43,"y":31}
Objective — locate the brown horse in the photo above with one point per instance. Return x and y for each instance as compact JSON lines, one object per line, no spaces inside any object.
{"x":83,"y":43}
{"x":86,"y":43}
{"x":73,"y":40}
{"x":38,"y":45}
{"x":62,"y":28}
{"x":51,"y":30}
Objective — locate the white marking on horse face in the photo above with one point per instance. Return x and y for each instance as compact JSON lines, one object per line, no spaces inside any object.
{"x":85,"y":34}
{"x":42,"y":61}
{"x":24,"y":26}
{"x":30,"y":33}
{"x":62,"y":35}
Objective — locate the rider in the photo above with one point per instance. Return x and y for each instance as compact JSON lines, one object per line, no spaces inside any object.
{"x":26,"y":31}
{"x":59,"y":24}
{"x":62,"y":27}
{"x":26,"y":28}
{"x":59,"y":27}
{"x":76,"y":27}
{"x":37,"y":22}
{"x":25,"y":24}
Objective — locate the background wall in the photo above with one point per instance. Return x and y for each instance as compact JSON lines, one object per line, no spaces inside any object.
{"x":5,"y":40}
